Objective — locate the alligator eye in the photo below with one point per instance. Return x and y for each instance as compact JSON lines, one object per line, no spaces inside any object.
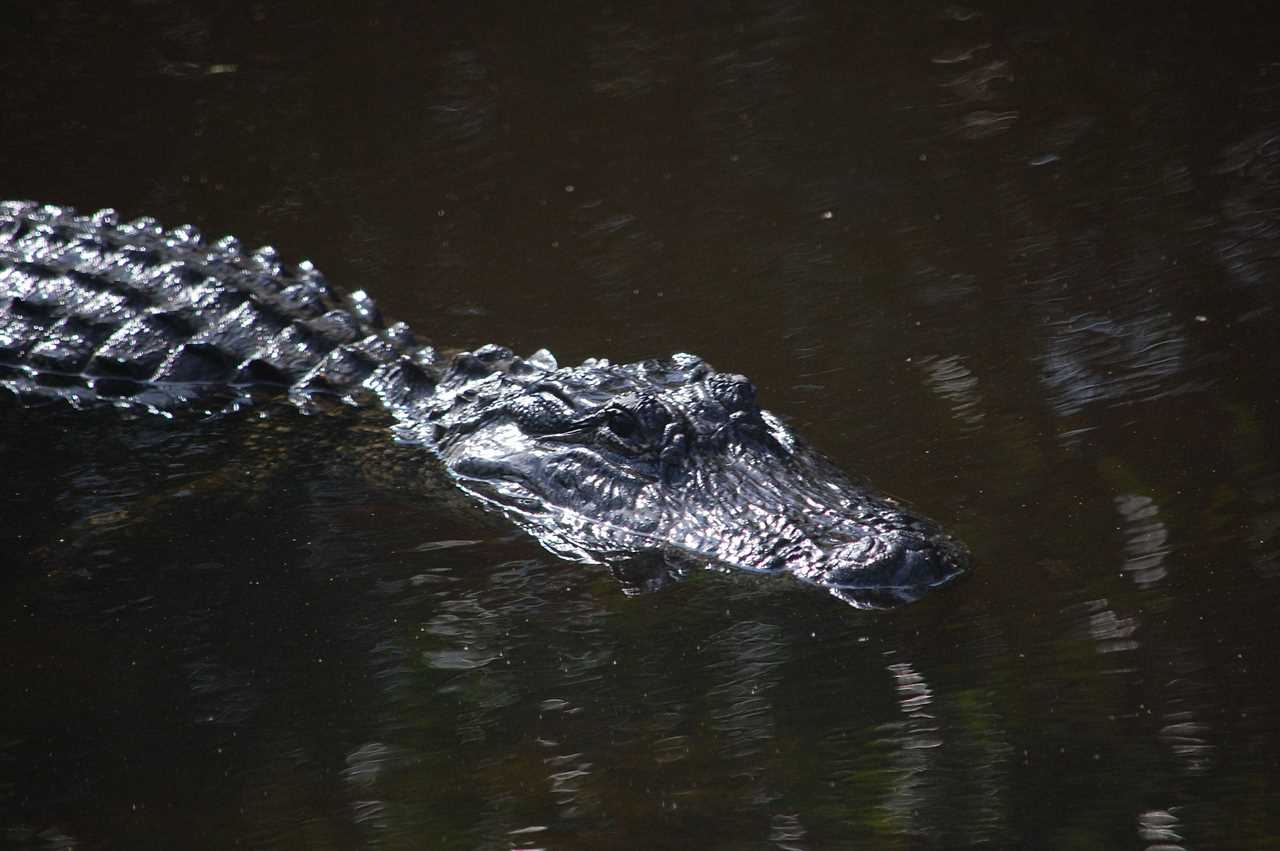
{"x":622,"y":423}
{"x":734,"y":392}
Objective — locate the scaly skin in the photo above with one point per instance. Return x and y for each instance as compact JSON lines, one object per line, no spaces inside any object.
{"x":599,"y":462}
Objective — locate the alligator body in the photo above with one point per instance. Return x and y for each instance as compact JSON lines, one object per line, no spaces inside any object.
{"x":599,"y":461}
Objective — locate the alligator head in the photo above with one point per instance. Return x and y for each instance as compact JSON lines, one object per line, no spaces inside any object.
{"x":668,"y":456}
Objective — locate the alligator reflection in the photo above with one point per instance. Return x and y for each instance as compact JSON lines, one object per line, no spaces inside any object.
{"x":531,"y":697}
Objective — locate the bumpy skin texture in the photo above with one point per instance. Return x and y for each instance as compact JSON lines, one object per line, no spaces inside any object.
{"x":600,"y":462}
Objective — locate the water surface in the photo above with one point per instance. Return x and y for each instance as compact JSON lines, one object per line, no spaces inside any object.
{"x":1016,"y":263}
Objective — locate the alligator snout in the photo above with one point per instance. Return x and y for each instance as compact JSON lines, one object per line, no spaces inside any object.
{"x":904,"y":569}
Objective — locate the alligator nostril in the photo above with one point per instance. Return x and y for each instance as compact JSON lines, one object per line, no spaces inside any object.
{"x":915,"y":567}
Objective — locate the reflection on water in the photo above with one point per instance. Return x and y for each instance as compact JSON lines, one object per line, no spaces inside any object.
{"x":1146,"y":538}
{"x":1093,"y":358}
{"x":1013,"y":262}
{"x":953,"y":381}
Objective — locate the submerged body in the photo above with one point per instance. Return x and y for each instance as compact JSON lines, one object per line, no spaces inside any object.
{"x":598,"y":461}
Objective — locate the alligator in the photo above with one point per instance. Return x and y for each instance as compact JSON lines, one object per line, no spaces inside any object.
{"x":601,"y":462}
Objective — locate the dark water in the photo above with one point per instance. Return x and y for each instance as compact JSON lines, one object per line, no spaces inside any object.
{"x":1017,"y":263}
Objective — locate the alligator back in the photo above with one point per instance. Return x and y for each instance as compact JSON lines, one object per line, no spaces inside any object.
{"x":97,"y":311}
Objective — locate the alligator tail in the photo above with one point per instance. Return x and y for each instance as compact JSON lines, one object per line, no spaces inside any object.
{"x":95,"y":311}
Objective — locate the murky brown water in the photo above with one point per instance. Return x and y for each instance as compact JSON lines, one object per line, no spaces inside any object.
{"x":1017,"y":264}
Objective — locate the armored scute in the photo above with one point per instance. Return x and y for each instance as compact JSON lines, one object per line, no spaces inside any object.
{"x":600,"y":462}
